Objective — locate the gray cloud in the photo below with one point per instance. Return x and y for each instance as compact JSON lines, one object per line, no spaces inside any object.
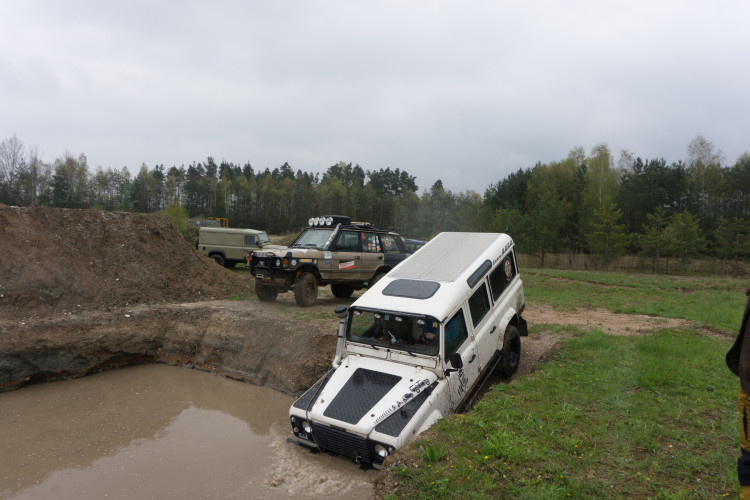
{"x":464,"y":92}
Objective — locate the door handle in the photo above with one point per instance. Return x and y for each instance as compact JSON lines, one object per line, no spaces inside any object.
{"x":473,"y":357}
{"x":493,"y":329}
{"x":380,"y":257}
{"x":356,"y":256}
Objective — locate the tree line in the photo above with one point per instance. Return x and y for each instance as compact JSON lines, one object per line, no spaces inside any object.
{"x":585,"y":203}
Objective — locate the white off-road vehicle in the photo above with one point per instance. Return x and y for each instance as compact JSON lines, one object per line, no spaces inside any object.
{"x":416,"y":347}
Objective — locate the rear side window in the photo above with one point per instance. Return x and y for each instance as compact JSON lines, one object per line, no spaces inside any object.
{"x":250,"y":240}
{"x":479,"y":304}
{"x":502,"y":275}
{"x":390,"y":243}
{"x":370,"y":243}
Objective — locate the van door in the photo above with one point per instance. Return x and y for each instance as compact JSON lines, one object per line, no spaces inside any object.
{"x":249,"y":244}
{"x":456,"y":339}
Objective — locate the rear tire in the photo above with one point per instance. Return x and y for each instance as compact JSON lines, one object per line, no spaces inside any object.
{"x":265,"y":293}
{"x":375,"y":279}
{"x":219,"y":259}
{"x":342,"y":291}
{"x":510,"y":354}
{"x":306,"y":290}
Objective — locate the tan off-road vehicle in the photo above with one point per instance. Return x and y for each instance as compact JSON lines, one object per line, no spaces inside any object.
{"x":331,"y":251}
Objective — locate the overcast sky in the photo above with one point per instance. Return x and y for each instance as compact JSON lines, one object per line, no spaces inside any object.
{"x":465,"y":92}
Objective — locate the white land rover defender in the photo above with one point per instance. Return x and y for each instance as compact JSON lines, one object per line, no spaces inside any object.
{"x":417,"y":346}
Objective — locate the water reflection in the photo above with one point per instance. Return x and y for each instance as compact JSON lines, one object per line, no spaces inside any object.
{"x":152,"y":431}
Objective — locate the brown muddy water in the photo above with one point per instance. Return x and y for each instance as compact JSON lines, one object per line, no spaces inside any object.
{"x":158,"y":431}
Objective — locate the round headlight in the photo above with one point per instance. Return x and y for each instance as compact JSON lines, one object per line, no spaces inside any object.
{"x":329,"y":221}
{"x":381,"y":451}
{"x":278,"y":262}
{"x":311,"y":222}
{"x":306,"y":427}
{"x":294,"y":262}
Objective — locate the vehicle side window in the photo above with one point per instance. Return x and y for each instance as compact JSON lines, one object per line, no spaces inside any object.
{"x":371,"y":243}
{"x":479,"y":304}
{"x":390,"y":244}
{"x":502,"y":275}
{"x":250,"y":240}
{"x":348,"y":242}
{"x":455,"y":333}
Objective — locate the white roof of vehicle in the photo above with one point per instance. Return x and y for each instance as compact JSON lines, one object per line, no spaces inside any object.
{"x":439,"y":270}
{"x":229,"y":230}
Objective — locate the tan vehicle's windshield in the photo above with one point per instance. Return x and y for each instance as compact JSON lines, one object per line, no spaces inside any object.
{"x":316,"y":238}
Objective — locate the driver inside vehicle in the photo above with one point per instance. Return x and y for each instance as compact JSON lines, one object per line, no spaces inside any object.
{"x":429,"y":333}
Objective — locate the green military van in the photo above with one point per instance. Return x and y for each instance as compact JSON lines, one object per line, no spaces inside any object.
{"x":229,"y":247}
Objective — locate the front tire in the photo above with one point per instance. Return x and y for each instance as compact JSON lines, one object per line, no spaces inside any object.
{"x":510,"y":354}
{"x":306,"y":290}
{"x":219,"y":259}
{"x":265,"y":293}
{"x":342,"y":291}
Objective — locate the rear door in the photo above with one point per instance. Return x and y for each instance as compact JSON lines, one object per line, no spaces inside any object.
{"x":372,"y":254}
{"x":484,"y":321}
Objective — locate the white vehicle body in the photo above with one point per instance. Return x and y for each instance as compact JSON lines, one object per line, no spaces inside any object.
{"x":416,"y":347}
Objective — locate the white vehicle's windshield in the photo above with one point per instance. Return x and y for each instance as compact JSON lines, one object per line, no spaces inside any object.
{"x":263,"y":237}
{"x":417,"y":335}
{"x":313,"y":238}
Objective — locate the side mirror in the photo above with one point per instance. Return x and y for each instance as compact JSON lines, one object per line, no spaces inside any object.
{"x":456,"y":361}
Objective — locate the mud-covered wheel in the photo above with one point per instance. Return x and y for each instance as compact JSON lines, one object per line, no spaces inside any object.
{"x":265,"y":293}
{"x":219,"y":259}
{"x":510,"y":354}
{"x":342,"y":291}
{"x":306,"y":290}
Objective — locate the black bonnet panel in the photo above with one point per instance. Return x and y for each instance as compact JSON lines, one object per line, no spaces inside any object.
{"x":360,"y":393}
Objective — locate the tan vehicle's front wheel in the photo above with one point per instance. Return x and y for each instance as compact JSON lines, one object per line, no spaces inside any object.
{"x":306,"y":290}
{"x":265,"y":293}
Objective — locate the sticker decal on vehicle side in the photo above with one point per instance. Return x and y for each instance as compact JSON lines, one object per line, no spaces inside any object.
{"x":346,"y":265}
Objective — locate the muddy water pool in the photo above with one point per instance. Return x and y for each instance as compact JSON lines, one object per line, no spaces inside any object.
{"x":158,"y":431}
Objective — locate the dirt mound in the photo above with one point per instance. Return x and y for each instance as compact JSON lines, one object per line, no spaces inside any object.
{"x":57,"y":260}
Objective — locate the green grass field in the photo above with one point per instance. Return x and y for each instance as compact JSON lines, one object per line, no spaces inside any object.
{"x":650,"y":416}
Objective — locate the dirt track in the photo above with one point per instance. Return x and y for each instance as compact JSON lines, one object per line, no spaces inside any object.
{"x":87,"y":290}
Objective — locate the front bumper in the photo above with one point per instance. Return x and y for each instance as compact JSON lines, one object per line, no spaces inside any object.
{"x":360,"y":450}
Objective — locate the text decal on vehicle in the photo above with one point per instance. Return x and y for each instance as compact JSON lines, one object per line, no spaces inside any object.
{"x":346,"y":265}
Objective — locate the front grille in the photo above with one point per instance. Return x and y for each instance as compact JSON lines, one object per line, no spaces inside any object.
{"x":343,"y":443}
